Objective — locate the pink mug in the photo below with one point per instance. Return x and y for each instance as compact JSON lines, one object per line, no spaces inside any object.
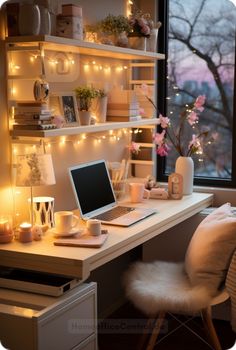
{"x":138,"y":192}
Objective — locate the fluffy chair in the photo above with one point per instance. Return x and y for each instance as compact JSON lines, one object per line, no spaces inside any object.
{"x":190,"y":287}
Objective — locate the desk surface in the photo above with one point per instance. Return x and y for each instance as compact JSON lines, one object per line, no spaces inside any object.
{"x":79,"y":262}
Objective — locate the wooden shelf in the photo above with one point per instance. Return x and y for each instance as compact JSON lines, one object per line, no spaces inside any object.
{"x":76,"y":130}
{"x":55,"y":43}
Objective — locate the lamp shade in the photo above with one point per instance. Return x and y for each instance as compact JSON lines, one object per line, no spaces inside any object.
{"x":34,"y":170}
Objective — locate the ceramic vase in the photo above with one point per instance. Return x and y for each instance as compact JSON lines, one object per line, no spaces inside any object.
{"x":99,"y":109}
{"x":45,"y":21}
{"x":185,"y":167}
{"x":152,"y":40}
{"x":29,"y":19}
{"x":84,"y":117}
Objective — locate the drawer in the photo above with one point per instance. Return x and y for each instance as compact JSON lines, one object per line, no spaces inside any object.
{"x":42,"y":322}
{"x":88,"y":344}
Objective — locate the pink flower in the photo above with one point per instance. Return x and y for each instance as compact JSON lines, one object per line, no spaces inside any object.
{"x":134,"y":147}
{"x":146,"y":90}
{"x":141,"y":111}
{"x":163,"y":150}
{"x":200,"y":102}
{"x":159,"y":138}
{"x":194,"y":143}
{"x":192,"y":118}
{"x":164,"y":121}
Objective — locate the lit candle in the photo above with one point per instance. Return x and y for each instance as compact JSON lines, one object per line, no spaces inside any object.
{"x":25,"y":232}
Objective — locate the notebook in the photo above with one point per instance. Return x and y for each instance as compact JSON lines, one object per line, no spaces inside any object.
{"x":95,"y":197}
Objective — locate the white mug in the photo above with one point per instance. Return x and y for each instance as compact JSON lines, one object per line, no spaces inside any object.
{"x":138,"y":192}
{"x":93,"y":227}
{"x":65,"y":221}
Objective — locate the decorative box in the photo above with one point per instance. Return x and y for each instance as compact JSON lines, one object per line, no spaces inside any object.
{"x":70,"y":27}
{"x":71,"y":10}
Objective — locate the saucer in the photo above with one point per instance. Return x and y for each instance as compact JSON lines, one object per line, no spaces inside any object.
{"x":70,"y":233}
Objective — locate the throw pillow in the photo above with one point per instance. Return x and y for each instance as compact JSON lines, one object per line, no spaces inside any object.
{"x":211,"y":247}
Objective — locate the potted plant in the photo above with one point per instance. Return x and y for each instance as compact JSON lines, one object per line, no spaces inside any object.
{"x":114,"y":30}
{"x":85,"y":96}
{"x":99,"y":106}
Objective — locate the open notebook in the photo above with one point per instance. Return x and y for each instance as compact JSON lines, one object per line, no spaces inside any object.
{"x":95,"y":197}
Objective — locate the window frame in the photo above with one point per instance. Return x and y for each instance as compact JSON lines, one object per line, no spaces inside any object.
{"x":161,"y":85}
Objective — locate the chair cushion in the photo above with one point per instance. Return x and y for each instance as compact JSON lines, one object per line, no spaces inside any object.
{"x":211,"y":247}
{"x":163,"y":286}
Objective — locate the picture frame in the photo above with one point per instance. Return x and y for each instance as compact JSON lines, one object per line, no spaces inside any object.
{"x":65,"y":104}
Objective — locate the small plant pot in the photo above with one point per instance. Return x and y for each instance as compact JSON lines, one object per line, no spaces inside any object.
{"x":85,"y":117}
{"x":137,"y":42}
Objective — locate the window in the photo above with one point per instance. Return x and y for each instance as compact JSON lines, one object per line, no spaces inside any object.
{"x":200,"y":46}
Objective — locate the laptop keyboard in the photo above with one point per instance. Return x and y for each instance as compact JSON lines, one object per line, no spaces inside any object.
{"x":113,"y":213}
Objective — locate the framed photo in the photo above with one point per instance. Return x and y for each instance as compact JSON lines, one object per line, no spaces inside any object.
{"x":65,"y":104}
{"x":175,"y":186}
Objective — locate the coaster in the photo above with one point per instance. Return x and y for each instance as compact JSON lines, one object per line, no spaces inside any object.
{"x":71,"y":233}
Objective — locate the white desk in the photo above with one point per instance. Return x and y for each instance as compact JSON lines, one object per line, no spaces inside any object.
{"x":79,"y":262}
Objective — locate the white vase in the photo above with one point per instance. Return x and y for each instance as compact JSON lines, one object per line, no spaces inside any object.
{"x":29,"y":19}
{"x":185,"y":167}
{"x":45,"y":21}
{"x":152,"y":40}
{"x":99,"y":108}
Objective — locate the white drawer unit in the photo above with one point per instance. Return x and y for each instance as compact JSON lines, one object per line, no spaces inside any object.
{"x":38,"y":322}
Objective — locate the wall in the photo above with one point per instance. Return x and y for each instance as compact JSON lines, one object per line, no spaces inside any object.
{"x":69,"y":152}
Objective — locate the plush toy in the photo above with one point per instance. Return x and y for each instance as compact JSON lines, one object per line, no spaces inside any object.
{"x":37,"y":232}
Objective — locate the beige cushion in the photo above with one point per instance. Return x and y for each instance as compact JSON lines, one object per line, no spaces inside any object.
{"x":211,"y":247}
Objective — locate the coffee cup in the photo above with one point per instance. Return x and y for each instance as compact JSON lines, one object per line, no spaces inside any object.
{"x":138,"y":192}
{"x":65,"y":221}
{"x":93,"y":227}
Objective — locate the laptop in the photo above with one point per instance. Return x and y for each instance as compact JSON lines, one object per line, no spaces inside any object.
{"x":95,"y":197}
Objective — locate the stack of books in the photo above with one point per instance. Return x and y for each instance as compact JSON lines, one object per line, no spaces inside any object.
{"x":32,"y":115}
{"x":122,"y":106}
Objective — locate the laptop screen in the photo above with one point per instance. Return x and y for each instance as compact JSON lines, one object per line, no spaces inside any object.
{"x":92,"y":187}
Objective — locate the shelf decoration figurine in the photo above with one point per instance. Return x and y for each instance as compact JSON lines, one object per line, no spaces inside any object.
{"x":34,"y":170}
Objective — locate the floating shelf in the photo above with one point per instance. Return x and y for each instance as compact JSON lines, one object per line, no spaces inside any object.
{"x":55,"y":43}
{"x":76,"y":130}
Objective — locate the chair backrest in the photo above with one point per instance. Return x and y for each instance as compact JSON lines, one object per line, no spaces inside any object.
{"x":211,"y":248}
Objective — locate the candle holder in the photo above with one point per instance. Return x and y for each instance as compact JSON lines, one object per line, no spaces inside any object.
{"x":43,"y":211}
{"x":25,"y":232}
{"x":6,"y":232}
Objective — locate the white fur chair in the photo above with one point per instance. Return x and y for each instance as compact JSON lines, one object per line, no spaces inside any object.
{"x":190,"y":287}
{"x":160,"y":287}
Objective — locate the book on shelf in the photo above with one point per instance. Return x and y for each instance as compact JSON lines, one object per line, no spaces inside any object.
{"x":115,"y":112}
{"x":32,"y":122}
{"x":123,"y":106}
{"x":30,"y":117}
{"x":21,"y":110}
{"x":34,"y":127}
{"x":118,"y":118}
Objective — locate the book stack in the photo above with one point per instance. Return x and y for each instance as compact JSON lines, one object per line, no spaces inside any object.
{"x":122,"y":106}
{"x":32,"y":115}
